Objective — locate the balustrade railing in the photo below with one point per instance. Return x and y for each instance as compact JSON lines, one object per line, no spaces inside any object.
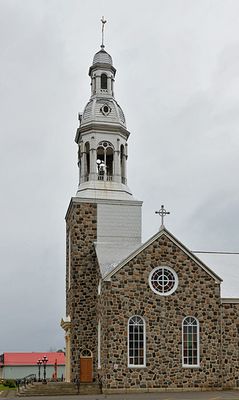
{"x":105,"y":177}
{"x":108,"y":178}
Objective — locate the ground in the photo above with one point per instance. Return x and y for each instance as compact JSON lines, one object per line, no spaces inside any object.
{"x":224,"y":395}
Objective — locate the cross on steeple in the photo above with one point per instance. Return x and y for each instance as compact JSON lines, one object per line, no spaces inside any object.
{"x":103,"y":20}
{"x":162,"y":213}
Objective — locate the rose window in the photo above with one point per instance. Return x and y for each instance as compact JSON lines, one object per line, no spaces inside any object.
{"x":163,"y":280}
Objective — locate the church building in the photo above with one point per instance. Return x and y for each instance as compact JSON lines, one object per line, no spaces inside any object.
{"x":139,"y":316}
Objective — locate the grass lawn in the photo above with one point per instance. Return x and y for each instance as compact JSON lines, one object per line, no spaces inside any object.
{"x":2,"y":387}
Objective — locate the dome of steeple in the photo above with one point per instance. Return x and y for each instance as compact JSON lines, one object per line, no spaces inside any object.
{"x":102,"y":57}
{"x":103,"y":110}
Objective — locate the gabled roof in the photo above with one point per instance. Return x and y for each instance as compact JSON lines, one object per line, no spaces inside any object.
{"x":165,"y":232}
{"x":32,"y":358}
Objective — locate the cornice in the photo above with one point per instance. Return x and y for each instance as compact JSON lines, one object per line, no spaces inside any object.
{"x":99,"y":127}
{"x":228,"y":300}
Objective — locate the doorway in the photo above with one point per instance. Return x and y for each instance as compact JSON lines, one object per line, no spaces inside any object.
{"x":86,"y":366}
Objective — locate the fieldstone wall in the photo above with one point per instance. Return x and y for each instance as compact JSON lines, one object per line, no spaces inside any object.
{"x":81,"y":294}
{"x":230,"y":349}
{"x":128,"y":293}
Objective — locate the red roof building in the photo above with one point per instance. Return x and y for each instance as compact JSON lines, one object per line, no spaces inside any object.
{"x":19,"y":365}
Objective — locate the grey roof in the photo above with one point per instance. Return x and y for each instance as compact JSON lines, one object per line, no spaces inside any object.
{"x":225,"y":266}
{"x":102,"y":57}
{"x":109,"y":255}
{"x":163,"y":231}
{"x":93,"y":113}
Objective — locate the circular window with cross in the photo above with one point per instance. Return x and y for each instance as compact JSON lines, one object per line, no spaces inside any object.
{"x":163,"y":280}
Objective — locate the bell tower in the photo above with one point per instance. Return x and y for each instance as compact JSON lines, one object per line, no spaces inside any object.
{"x":103,"y":220}
{"x":102,"y":137}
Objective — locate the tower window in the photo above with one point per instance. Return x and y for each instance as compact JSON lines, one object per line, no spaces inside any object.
{"x":87,"y":153}
{"x":103,"y":81}
{"x":105,"y":155}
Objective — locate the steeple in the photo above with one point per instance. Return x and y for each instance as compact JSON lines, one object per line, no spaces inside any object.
{"x":102,"y":135}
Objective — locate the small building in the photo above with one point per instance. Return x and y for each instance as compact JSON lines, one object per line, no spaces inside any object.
{"x":20,"y":365}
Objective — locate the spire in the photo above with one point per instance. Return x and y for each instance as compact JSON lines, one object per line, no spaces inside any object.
{"x":103,"y":21}
{"x":102,"y":135}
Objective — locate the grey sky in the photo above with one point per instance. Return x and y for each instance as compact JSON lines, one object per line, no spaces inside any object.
{"x":177,"y":81}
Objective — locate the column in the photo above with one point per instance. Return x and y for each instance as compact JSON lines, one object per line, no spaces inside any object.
{"x":93,"y":166}
{"x":68,"y":356}
{"x":117,"y":168}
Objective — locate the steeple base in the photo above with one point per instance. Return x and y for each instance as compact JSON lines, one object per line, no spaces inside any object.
{"x":104,"y":190}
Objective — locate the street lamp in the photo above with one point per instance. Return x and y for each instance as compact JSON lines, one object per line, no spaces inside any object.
{"x":39,"y":363}
{"x":44,"y":361}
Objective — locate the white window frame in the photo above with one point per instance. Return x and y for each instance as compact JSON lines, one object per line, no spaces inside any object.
{"x":175,"y":281}
{"x":186,"y":365}
{"x":144,"y":344}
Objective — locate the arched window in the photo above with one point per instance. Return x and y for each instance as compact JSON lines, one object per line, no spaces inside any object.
{"x":103,"y":81}
{"x":87,"y":153}
{"x":86,"y":353}
{"x":190,"y":341}
{"x":136,"y":342}
{"x":105,"y":154}
{"x":122,"y":163}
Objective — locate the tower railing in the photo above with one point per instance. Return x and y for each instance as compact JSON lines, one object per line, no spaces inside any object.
{"x":105,"y":177}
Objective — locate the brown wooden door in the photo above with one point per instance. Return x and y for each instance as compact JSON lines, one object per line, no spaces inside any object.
{"x":86,"y":369}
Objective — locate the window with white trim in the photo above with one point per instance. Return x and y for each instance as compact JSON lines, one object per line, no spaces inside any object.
{"x":190,"y":342}
{"x":136,"y":342}
{"x":163,"y":280}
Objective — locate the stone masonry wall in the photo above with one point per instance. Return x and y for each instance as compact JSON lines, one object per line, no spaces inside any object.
{"x":81,"y":294}
{"x":230,"y":337}
{"x":128,"y":293}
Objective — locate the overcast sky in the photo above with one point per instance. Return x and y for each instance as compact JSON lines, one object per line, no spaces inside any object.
{"x":177,"y":81}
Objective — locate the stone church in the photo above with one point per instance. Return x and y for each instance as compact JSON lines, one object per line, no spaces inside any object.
{"x":139,"y":317}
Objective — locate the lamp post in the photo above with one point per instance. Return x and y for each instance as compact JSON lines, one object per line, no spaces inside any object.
{"x":44,"y":362}
{"x":39,"y":363}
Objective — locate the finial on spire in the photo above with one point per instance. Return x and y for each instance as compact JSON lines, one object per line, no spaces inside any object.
{"x":103,"y":20}
{"x":162,"y":212}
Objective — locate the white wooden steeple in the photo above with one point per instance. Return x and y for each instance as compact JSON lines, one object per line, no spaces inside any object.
{"x":102,"y":137}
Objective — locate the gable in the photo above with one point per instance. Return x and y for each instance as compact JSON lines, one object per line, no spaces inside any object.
{"x":163,"y":233}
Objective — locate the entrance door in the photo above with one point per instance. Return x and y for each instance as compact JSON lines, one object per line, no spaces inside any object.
{"x":86,"y":366}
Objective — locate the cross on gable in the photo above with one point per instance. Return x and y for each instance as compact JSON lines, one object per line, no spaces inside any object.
{"x":162,"y":213}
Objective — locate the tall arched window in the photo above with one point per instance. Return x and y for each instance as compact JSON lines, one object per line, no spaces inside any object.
{"x":87,"y":154}
{"x":136,"y":342}
{"x":105,"y":153}
{"x":122,"y":163}
{"x":190,"y":340}
{"x":103,"y":81}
